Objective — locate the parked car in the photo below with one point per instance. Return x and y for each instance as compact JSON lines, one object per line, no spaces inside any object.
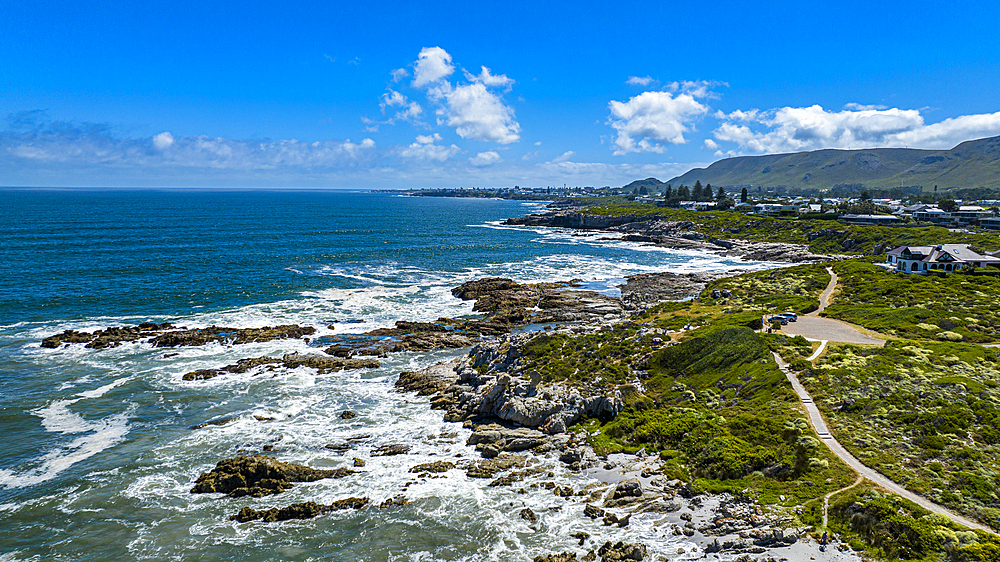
{"x":791,"y":316}
{"x":782,"y":319}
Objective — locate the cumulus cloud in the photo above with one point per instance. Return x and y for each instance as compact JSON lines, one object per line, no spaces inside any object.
{"x":479,"y":114}
{"x":792,"y":129}
{"x":425,"y":149}
{"x":489,"y":79}
{"x":858,"y":106}
{"x":433,"y":64}
{"x":408,"y":110}
{"x":399,"y":73}
{"x":711,"y":144}
{"x":651,"y":118}
{"x":163,"y":140}
{"x":485,"y":159}
{"x":639,"y":81}
{"x":475,"y":108}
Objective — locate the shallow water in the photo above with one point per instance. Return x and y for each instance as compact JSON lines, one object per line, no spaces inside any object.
{"x":100,"y":450}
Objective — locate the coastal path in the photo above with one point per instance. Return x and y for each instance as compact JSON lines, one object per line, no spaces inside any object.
{"x":814,"y":327}
{"x":819,"y":424}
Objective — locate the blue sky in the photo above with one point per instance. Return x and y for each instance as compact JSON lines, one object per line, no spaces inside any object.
{"x":468,"y":94}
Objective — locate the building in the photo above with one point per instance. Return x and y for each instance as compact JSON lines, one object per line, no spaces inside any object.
{"x":931,"y":214}
{"x":990,"y":223}
{"x":775,"y":210}
{"x":884,"y":220}
{"x":941,"y":258}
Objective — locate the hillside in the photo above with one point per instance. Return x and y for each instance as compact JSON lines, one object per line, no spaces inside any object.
{"x":974,"y":163}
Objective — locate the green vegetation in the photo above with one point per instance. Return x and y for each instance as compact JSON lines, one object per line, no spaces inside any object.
{"x":917,"y":306}
{"x":896,"y":529}
{"x":822,"y":236}
{"x":924,"y":411}
{"x":927,"y":415}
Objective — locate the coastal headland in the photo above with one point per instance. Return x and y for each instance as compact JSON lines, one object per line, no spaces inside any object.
{"x":668,"y":401}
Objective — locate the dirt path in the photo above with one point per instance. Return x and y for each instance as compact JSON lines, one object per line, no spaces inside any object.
{"x":826,"y":499}
{"x":824,"y":299}
{"x":819,"y":424}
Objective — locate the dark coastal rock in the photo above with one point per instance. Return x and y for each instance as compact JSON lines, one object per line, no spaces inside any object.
{"x":164,"y":335}
{"x":528,"y":515}
{"x":431,"y":380}
{"x":306,"y":510}
{"x":433,"y":467}
{"x":256,"y":476}
{"x":347,"y":415}
{"x":627,"y":488}
{"x":241,"y":366}
{"x":321,"y":363}
{"x":621,"y":552}
{"x":593,"y":511}
{"x":562,"y":557}
{"x":390,"y":450}
{"x":488,"y":468}
{"x":325,"y":364}
{"x":643,"y":290}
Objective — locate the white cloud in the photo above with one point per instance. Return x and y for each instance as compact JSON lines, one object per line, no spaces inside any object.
{"x":425,"y":149}
{"x":163,"y":140}
{"x":858,"y":106}
{"x":951,"y":132}
{"x":433,"y":64}
{"x":791,"y":129}
{"x":488,"y":79}
{"x":697,"y":88}
{"x":409,"y":110}
{"x":485,"y":159}
{"x":651,"y":118}
{"x":399,"y":74}
{"x":479,"y":114}
{"x":564,"y":156}
{"x":639,"y":81}
{"x":428,"y":139}
{"x":538,"y":143}
{"x":711,"y":144}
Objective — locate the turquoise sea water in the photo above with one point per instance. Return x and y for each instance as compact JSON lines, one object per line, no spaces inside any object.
{"x":99,"y":448}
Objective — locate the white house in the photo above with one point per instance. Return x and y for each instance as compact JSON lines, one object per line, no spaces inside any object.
{"x":941,"y":258}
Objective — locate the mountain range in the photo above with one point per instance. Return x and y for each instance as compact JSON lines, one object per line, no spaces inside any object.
{"x":974,"y":163}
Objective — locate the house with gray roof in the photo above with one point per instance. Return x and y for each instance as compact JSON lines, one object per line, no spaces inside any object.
{"x":942,"y":258}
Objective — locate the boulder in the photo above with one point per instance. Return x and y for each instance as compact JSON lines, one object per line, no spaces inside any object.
{"x":256,"y":476}
{"x":306,"y":510}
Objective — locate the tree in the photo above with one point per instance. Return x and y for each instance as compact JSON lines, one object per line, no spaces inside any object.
{"x":683,"y":193}
{"x":743,"y":195}
{"x":865,"y":195}
{"x":948,"y":205}
{"x":721,"y":194}
{"x":643,"y":190}
{"x":635,"y":191}
{"x":669,"y":192}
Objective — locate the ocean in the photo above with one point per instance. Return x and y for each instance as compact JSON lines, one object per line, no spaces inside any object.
{"x":101,"y":449}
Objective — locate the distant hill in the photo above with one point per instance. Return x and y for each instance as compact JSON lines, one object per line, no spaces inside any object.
{"x":974,"y":163}
{"x":651,"y":184}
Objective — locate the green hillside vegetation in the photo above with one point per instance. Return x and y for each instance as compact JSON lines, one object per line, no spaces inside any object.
{"x":927,"y":415}
{"x":974,"y":163}
{"x":723,"y":417}
{"x":822,"y":236}
{"x":956,"y":307}
{"x":888,"y":527}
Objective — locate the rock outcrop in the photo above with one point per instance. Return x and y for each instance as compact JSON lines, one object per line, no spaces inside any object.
{"x":165,"y":335}
{"x":305,"y":510}
{"x":258,"y":476}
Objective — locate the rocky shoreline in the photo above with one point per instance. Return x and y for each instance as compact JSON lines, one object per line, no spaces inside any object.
{"x":679,"y":235}
{"x":518,"y":423}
